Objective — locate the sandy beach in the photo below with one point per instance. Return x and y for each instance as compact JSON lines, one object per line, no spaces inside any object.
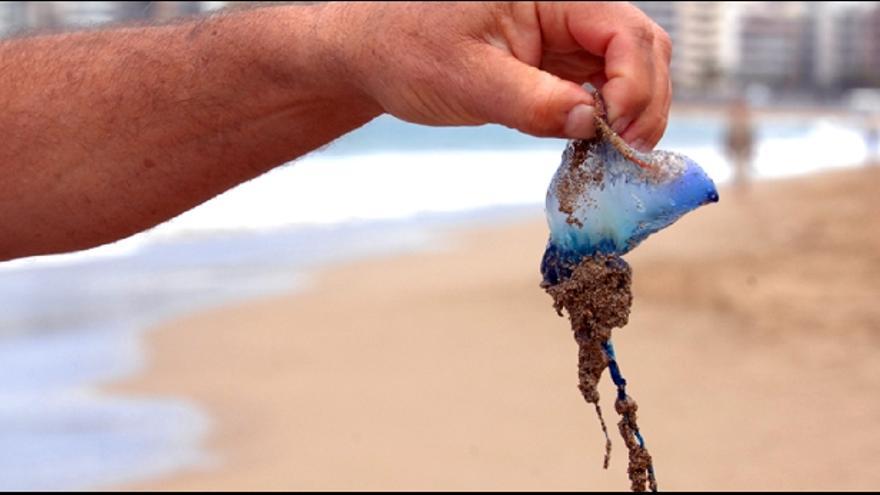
{"x":753,"y":350}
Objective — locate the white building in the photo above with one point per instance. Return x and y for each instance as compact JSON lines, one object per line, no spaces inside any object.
{"x":703,"y":39}
{"x":783,"y":46}
{"x":776,"y":44}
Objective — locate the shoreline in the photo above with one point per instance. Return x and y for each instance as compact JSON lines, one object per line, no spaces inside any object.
{"x":450,"y":370}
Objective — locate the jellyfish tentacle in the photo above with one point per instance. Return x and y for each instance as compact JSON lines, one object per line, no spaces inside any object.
{"x":641,"y":465}
{"x":605,"y":131}
{"x":607,"y":461}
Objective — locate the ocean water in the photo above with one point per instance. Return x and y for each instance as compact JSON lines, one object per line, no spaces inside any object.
{"x":73,"y":322}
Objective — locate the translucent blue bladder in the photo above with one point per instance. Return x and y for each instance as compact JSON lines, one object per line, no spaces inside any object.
{"x":606,"y":200}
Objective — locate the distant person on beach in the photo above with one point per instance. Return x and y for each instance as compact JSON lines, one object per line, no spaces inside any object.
{"x":106,"y":133}
{"x":739,"y":143}
{"x":872,"y":140}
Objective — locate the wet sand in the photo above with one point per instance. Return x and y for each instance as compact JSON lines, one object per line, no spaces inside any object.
{"x":753,"y":348}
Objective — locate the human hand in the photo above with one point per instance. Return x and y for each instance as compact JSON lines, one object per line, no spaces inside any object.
{"x":520,"y":64}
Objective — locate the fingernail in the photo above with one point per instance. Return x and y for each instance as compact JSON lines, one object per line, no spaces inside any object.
{"x":641,"y":145}
{"x":579,"y":124}
{"x":621,"y":124}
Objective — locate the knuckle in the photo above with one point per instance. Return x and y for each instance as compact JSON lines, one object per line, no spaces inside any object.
{"x":641,"y":96}
{"x":542,"y":114}
{"x":539,"y":119}
{"x":663,"y":39}
{"x":664,"y":43}
{"x":657,"y":127}
{"x":643,"y":34}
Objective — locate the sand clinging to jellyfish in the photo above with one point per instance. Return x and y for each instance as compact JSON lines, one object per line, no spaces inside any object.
{"x":604,"y":200}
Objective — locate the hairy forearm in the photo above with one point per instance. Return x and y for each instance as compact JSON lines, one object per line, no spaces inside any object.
{"x":107,"y":133}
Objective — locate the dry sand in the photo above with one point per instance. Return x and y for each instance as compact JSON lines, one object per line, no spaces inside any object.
{"x":753,"y":349}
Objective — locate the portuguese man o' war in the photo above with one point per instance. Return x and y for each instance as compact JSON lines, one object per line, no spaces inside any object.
{"x":604,"y":200}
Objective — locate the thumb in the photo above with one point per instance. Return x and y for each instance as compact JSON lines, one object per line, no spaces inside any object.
{"x":518,"y":95}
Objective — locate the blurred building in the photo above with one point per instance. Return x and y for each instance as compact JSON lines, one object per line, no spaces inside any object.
{"x":855,"y":46}
{"x":784,"y":48}
{"x":11,"y":17}
{"x":703,"y":37}
{"x":88,"y":13}
{"x":776,"y":45}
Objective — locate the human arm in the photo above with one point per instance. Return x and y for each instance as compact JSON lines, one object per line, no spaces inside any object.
{"x":107,"y":133}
